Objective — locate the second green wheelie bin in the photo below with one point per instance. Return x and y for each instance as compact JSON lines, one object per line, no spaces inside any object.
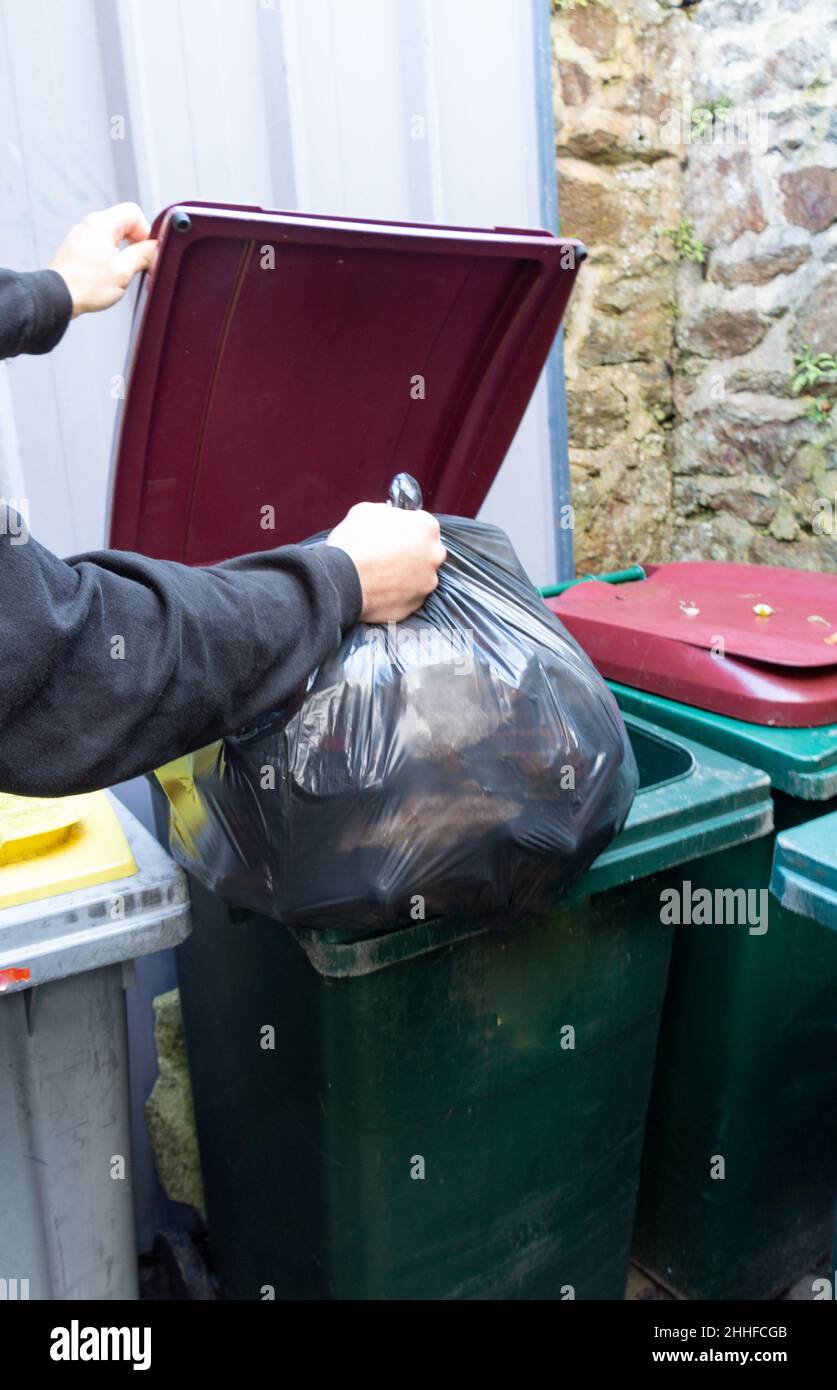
{"x":805,"y":882}
{"x":447,"y":1111}
{"x":735,"y":1200}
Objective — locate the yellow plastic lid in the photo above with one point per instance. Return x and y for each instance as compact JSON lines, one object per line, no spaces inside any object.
{"x":50,"y":846}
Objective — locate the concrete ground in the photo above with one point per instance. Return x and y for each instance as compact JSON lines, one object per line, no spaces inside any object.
{"x":178,"y":1269}
{"x":644,"y":1289}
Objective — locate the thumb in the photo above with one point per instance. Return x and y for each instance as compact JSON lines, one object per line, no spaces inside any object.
{"x":140,"y":256}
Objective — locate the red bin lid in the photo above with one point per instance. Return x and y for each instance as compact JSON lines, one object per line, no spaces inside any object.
{"x":756,"y":642}
{"x":297,"y":363}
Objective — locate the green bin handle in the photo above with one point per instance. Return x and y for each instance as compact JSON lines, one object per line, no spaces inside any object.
{"x":616,"y":577}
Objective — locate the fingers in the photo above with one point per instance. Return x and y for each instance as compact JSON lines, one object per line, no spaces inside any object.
{"x":132,"y":259}
{"x":126,"y":222}
{"x":438,"y":552}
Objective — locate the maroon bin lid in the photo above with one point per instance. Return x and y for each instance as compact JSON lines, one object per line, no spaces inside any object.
{"x":777,"y":630}
{"x":297,"y":363}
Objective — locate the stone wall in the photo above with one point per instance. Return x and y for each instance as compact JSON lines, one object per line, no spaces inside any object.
{"x":686,"y":439}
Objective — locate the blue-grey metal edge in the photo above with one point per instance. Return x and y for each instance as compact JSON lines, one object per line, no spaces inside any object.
{"x":559,"y":442}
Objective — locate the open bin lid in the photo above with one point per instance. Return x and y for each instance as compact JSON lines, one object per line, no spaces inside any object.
{"x":805,"y":869}
{"x":776,"y":662}
{"x":297,"y":363}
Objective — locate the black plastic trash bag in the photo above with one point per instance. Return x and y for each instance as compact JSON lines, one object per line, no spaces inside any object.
{"x":468,"y":762}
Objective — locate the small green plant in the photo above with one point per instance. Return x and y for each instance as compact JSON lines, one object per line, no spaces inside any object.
{"x":817,"y":409}
{"x":811,"y":367}
{"x":569,"y":4}
{"x":687,"y":245}
{"x":705,"y":114}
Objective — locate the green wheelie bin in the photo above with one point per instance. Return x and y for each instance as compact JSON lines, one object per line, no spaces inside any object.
{"x":735,"y":1199}
{"x":447,"y":1111}
{"x":805,"y":882}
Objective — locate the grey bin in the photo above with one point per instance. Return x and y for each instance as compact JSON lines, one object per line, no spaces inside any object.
{"x":67,"y":1228}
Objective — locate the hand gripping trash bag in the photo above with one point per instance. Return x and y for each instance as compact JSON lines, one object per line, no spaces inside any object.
{"x":468,"y":762}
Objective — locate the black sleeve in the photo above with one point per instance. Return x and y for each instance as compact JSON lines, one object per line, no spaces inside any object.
{"x":111,"y":664}
{"x":35,"y":308}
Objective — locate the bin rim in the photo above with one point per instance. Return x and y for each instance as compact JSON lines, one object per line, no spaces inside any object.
{"x":804,"y":877}
{"x":802,"y":762}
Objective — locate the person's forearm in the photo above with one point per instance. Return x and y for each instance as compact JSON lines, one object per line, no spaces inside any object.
{"x":113,"y":663}
{"x":35,"y":308}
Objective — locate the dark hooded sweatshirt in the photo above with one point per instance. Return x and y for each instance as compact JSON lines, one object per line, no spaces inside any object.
{"x":111,"y":663}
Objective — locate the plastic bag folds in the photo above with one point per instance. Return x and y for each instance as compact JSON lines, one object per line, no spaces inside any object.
{"x":467,"y":762}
